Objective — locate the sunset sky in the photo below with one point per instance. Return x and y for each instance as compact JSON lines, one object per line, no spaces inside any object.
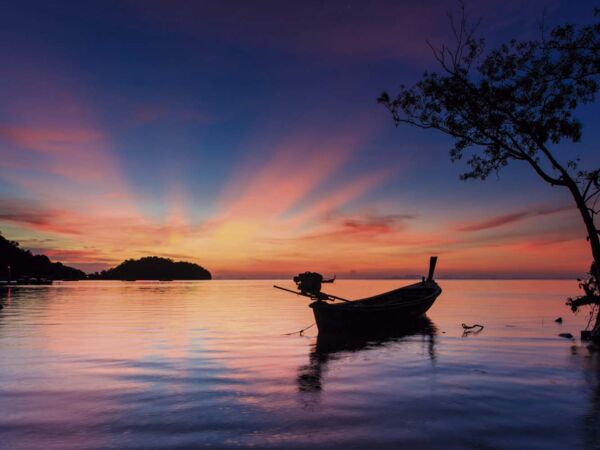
{"x":245,"y":136}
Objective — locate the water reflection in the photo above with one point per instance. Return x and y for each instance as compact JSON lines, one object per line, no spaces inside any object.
{"x":591,"y":420}
{"x":328,"y":348}
{"x":4,"y":296}
{"x":98,"y":365}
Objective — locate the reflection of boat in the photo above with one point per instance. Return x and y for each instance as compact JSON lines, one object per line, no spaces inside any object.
{"x":381,"y":312}
{"x":330,"y":347}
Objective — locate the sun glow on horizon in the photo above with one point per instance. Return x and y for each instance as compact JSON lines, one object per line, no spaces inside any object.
{"x":276,"y":217}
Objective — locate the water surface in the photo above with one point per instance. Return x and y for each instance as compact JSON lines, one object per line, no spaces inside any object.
{"x":183,"y":365}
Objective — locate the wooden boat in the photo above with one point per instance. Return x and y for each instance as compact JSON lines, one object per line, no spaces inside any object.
{"x":384,"y":312}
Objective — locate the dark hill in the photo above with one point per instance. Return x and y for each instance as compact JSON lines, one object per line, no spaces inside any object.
{"x":24,"y":264}
{"x":153,"y":268}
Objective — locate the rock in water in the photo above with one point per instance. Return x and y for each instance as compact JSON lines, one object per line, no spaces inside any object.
{"x":559,"y":320}
{"x":566,"y":335}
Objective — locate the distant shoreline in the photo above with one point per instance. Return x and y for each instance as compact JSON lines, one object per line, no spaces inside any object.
{"x":338,"y":278}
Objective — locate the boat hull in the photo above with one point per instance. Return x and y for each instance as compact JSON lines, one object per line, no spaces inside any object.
{"x":386,"y":312}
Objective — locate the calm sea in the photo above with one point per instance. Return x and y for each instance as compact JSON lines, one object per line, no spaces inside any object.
{"x":186,"y":365}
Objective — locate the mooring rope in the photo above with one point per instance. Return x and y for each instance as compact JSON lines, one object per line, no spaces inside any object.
{"x":300,"y":331}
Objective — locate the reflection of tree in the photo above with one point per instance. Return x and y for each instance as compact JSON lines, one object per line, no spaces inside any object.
{"x":329,"y":348}
{"x":4,"y":303}
{"x":591,"y":421}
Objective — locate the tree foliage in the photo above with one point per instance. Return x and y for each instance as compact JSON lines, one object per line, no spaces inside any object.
{"x":510,"y":104}
{"x":23,"y":263}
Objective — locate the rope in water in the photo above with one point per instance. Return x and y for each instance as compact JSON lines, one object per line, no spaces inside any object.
{"x":470,"y":327}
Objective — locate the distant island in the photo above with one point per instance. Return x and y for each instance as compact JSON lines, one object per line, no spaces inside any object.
{"x":153,"y":268}
{"x":16,"y":263}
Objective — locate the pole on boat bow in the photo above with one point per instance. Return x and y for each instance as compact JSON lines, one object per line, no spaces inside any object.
{"x":432,"y":263}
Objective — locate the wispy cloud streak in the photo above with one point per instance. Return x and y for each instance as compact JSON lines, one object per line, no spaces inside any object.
{"x":505,"y":219}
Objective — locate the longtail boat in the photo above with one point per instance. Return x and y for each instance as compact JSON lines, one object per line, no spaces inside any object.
{"x":387,"y":311}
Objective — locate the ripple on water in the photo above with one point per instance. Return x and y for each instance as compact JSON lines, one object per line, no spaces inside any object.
{"x":100,"y":365}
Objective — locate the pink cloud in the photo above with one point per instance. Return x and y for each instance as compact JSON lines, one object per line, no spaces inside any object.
{"x":296,"y":167}
{"x":76,"y":256}
{"x":50,"y":129}
{"x":68,"y":142}
{"x":506,"y":219}
{"x":39,"y":218}
{"x":494,"y":222}
{"x":362,"y":227}
{"x":341,"y":196}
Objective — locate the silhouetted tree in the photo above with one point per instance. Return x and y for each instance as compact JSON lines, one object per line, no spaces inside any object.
{"x":515,"y":103}
{"x":23,"y":263}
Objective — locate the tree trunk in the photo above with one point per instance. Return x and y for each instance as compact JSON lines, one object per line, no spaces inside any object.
{"x":593,"y":239}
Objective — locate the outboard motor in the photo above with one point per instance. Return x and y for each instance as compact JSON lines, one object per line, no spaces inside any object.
{"x":309,"y":283}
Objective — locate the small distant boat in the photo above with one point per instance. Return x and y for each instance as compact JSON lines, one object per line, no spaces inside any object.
{"x":386,"y":311}
{"x":34,"y":281}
